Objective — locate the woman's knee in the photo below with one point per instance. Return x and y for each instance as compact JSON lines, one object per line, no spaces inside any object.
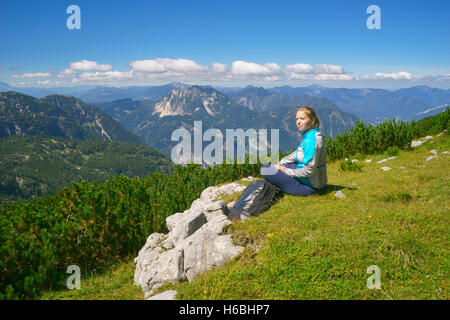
{"x":267,"y":170}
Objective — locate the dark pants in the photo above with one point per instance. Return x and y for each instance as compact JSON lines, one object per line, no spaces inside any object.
{"x":286,"y":183}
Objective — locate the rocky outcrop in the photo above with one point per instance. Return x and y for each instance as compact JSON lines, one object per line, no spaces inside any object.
{"x":196,"y":242}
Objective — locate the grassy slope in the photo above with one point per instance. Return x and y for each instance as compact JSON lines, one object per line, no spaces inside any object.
{"x":319,"y":247}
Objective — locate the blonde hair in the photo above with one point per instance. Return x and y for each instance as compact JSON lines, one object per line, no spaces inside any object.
{"x":311,"y":114}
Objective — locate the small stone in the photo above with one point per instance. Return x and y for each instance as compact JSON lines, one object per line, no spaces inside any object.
{"x":433,"y":151}
{"x":440,"y":134}
{"x":354,"y":160}
{"x":431,"y":158}
{"x":340,"y":194}
{"x":369,"y":160}
{"x":166,"y":295}
{"x":385,"y":168}
{"x":384,"y":160}
{"x":445,"y":152}
{"x":416,"y":143}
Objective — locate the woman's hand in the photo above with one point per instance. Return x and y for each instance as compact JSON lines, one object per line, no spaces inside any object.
{"x":280,"y":168}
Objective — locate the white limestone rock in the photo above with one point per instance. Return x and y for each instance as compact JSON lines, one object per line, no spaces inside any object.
{"x":156,"y":268}
{"x":208,"y":244}
{"x":195,"y":236}
{"x":385,"y":168}
{"x":340,"y":194}
{"x":416,"y":143}
{"x":166,"y":295}
{"x":384,"y":160}
{"x":181,"y":226}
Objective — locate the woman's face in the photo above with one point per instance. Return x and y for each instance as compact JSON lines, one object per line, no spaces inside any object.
{"x":304,"y":123}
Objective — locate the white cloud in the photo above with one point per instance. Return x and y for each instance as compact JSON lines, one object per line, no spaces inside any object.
{"x":321,"y":72}
{"x":296,"y":76}
{"x":85,"y":65}
{"x":31,"y":75}
{"x":443,"y":77}
{"x":66,"y":73}
{"x":218,"y":68}
{"x":332,"y":77}
{"x":299,"y":68}
{"x":185,"y":70}
{"x":271,"y":78}
{"x":161,"y":65}
{"x":329,"y":68}
{"x":43,"y":82}
{"x":402,"y":75}
{"x":244,"y":68}
{"x":108,"y":75}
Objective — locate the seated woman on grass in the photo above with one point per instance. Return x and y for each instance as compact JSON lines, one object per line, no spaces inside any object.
{"x":304,"y":171}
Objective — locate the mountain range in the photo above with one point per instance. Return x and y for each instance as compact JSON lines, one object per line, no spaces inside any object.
{"x":376,"y":105}
{"x":370,"y":105}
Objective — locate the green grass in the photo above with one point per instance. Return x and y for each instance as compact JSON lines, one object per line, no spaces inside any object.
{"x":319,"y":247}
{"x":114,"y":284}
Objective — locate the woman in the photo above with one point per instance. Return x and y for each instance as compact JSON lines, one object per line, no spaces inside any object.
{"x":304,"y":171}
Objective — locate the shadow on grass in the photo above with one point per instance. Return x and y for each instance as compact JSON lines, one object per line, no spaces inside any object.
{"x":329,"y":188}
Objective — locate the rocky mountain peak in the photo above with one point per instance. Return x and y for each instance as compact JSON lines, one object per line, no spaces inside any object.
{"x":188,"y":101}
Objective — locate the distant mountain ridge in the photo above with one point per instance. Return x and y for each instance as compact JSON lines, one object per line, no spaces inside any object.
{"x":370,"y":105}
{"x":260,"y":99}
{"x":58,"y":116}
{"x":432,"y":96}
{"x":100,"y":94}
{"x":376,"y":105}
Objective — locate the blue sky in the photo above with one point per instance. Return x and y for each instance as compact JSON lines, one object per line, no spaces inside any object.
{"x":228,"y":43}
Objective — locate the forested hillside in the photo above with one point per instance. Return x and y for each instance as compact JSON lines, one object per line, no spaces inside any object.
{"x":34,"y":166}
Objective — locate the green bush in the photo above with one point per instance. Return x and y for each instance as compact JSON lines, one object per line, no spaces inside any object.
{"x":392,"y":151}
{"x":348,"y":165}
{"x":366,"y":139}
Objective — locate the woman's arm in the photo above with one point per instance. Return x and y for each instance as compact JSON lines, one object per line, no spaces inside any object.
{"x":291,"y":158}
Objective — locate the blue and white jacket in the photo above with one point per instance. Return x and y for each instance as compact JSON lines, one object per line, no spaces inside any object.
{"x":311,"y":157}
